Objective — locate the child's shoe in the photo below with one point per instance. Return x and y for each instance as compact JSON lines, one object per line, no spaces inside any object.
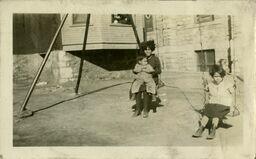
{"x":212,"y":133}
{"x":145,"y":114}
{"x":136,"y":113}
{"x":199,"y":132}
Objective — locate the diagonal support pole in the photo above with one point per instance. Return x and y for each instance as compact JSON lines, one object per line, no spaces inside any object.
{"x":83,"y":49}
{"x":23,"y":107}
{"x":135,"y":31}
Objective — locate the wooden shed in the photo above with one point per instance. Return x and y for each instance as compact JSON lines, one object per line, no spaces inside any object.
{"x":105,"y":32}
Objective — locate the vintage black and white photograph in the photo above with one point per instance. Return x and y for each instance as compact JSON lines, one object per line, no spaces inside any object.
{"x":119,"y":79}
{"x":127,"y":79}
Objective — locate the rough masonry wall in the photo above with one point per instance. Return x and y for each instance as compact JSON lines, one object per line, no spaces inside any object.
{"x":26,"y":66}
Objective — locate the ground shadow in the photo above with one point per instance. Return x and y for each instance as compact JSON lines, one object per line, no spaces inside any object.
{"x":224,"y":125}
{"x":78,"y":96}
{"x":221,"y":124}
{"x":153,"y":106}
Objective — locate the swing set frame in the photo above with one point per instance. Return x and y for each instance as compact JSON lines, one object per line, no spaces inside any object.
{"x":24,"y":112}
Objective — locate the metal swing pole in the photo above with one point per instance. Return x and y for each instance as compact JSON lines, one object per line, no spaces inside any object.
{"x":230,"y":37}
{"x":83,"y":49}
{"x":135,"y":31}
{"x":23,"y":107}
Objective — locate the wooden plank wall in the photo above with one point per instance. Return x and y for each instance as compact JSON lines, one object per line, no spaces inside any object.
{"x":102,"y":34}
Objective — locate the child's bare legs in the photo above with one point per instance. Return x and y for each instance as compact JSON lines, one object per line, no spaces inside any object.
{"x":201,"y":128}
{"x":135,"y":87}
{"x":215,"y":122}
{"x":151,"y":88}
{"x":204,"y":120}
{"x":213,"y":128}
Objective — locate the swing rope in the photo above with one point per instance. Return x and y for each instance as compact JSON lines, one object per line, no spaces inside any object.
{"x":234,"y":71}
{"x":203,"y":78}
{"x":205,"y":82}
{"x":187,"y":99}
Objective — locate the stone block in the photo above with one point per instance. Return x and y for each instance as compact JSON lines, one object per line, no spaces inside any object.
{"x":66,"y":72}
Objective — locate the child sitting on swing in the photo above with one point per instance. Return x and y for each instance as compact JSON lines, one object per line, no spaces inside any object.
{"x":220,"y":101}
{"x":143,"y":75}
{"x":232,"y":80}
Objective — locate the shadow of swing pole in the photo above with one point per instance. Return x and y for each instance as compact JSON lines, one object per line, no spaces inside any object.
{"x":80,"y":95}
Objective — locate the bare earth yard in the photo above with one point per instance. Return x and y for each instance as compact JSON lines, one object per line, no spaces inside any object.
{"x":102,"y":116}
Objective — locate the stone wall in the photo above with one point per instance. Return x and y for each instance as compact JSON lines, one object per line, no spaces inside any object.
{"x":26,"y":66}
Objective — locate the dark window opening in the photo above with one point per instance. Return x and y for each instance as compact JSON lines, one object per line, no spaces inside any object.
{"x":79,"y":19}
{"x":204,"y":18}
{"x":205,"y":59}
{"x":120,"y":19}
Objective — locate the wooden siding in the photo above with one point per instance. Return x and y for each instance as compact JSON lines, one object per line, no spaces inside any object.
{"x":102,"y":34}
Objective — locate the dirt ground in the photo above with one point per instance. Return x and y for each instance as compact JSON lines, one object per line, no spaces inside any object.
{"x":101,"y":115}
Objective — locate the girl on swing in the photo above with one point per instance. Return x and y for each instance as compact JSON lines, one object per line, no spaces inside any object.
{"x":220,"y":100}
{"x":232,"y":80}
